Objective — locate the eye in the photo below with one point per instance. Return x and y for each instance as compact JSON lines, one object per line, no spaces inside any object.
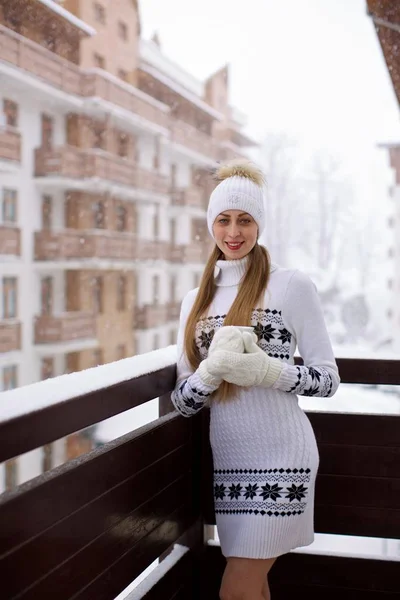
{"x":245,"y":221}
{"x":222,"y":220}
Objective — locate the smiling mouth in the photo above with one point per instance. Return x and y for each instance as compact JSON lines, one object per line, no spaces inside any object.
{"x":235,"y":246}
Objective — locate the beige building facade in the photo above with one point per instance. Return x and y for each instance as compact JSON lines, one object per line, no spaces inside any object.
{"x":106,"y":149}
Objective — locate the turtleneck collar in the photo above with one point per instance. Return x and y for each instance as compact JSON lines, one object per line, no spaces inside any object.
{"x":230,"y":272}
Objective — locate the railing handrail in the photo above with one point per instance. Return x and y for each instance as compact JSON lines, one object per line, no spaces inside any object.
{"x":83,"y":401}
{"x":49,"y":410}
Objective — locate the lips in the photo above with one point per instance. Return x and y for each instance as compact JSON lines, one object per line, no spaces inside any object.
{"x":234,"y":246}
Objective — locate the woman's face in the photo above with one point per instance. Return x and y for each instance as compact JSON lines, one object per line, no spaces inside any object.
{"x":235,"y":233}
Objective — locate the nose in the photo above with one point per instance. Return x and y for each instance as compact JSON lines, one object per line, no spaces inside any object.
{"x":233,"y":230}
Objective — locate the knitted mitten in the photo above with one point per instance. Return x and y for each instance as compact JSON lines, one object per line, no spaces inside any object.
{"x":226,"y":338}
{"x":254,"y":367}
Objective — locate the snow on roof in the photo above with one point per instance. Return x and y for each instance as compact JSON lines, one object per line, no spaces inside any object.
{"x":68,"y":16}
{"x":42,"y":394}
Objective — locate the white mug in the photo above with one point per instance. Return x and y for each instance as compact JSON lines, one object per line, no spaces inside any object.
{"x":242,"y":328}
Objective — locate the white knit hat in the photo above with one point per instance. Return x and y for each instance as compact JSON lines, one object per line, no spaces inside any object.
{"x":241,"y":188}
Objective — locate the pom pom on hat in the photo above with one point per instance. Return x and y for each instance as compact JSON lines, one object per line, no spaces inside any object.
{"x":240,"y":188}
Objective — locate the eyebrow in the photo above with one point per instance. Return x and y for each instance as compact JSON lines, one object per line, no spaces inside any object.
{"x":240,"y":215}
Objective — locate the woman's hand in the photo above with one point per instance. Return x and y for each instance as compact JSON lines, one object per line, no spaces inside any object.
{"x":252,"y":368}
{"x":227,"y":339}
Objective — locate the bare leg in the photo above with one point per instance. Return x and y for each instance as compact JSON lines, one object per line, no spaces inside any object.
{"x":244,"y":579}
{"x":266,"y":594}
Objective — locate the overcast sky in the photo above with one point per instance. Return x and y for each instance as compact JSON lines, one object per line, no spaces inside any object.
{"x":311,"y":68}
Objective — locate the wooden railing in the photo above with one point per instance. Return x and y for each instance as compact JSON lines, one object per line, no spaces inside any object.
{"x":86,"y":529}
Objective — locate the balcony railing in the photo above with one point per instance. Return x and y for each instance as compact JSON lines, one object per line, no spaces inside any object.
{"x":38,"y":61}
{"x":10,"y":240}
{"x":10,"y":335}
{"x":10,"y":142}
{"x":50,"y":329}
{"x":186,"y":135}
{"x":192,"y":196}
{"x":189,"y":253}
{"x":107,"y":515}
{"x":151,"y":315}
{"x":74,"y":163}
{"x":74,"y":244}
{"x":66,"y":76}
{"x":70,"y":244}
{"x":101,"y":84}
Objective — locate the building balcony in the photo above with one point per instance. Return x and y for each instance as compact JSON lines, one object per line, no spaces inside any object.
{"x":100,"y":244}
{"x":63,"y":75}
{"x":83,"y":166}
{"x":70,"y":244}
{"x":174,"y":310}
{"x":151,"y":315}
{"x":189,"y":197}
{"x":66,"y":327}
{"x":10,"y":241}
{"x":152,"y":250}
{"x":100,"y":84}
{"x":189,"y":253}
{"x":10,"y":147}
{"x":195,"y":140}
{"x":40,"y":62}
{"x":108,"y":514}
{"x":10,"y":335}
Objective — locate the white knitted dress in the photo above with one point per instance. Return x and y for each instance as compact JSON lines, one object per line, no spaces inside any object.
{"x":264,"y":449}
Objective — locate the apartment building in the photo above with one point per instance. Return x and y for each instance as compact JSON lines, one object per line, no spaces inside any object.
{"x":106,"y":149}
{"x":386,"y":17}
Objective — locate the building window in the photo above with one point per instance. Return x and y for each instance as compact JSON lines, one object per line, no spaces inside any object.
{"x":10,"y":110}
{"x":98,"y":215}
{"x":156,"y":289}
{"x":156,"y":225}
{"x":172,"y":288}
{"x":123,"y":145}
{"x":47,"y":296}
{"x":99,"y":61}
{"x":98,"y":358}
{"x":47,"y":132}
{"x":123,"y":30}
{"x":121,"y":351}
{"x":99,"y":137}
{"x":99,"y":13}
{"x":47,"y":211}
{"x":121,"y":293}
{"x":10,"y":378}
{"x":123,"y":75}
{"x":98,"y":295}
{"x":47,"y":368}
{"x":120,"y":218}
{"x":9,"y":297}
{"x":9,"y":206}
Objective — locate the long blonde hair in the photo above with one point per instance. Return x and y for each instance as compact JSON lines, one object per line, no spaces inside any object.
{"x":250,"y":293}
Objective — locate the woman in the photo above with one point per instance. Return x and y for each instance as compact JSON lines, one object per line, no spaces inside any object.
{"x":264,"y":449}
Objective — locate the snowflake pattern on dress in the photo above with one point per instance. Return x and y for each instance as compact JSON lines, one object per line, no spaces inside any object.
{"x":273,"y":337}
{"x":275,"y":340}
{"x":268,"y":492}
